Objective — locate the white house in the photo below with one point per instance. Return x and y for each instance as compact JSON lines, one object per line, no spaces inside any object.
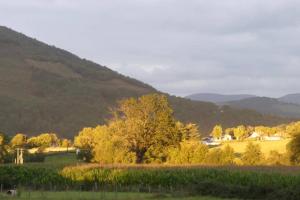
{"x":227,"y":137}
{"x":254,"y":135}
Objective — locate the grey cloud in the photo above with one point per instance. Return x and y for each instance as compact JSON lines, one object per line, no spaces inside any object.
{"x":180,"y":47}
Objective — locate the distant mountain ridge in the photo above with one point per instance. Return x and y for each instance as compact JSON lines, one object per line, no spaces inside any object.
{"x":47,"y":89}
{"x":267,"y":105}
{"x":218,"y":98}
{"x":291,"y":98}
{"x":286,"y":106}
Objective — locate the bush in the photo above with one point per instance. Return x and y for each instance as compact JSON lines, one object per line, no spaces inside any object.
{"x":294,"y":149}
{"x":189,"y":152}
{"x":252,"y":155}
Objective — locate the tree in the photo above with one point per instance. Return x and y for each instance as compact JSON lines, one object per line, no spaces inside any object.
{"x":44,"y":140}
{"x":18,"y":141}
{"x":228,"y":155}
{"x":294,"y":149}
{"x":66,"y":143}
{"x":217,"y":132}
{"x":3,"y":147}
{"x":219,"y":156}
{"x":109,"y":148}
{"x":147,"y":126}
{"x":275,"y":158}
{"x":239,"y":132}
{"x":86,"y":138}
{"x":189,"y":152}
{"x":293,"y":129}
{"x":189,"y":131}
{"x":252,"y":155}
{"x":214,"y":157}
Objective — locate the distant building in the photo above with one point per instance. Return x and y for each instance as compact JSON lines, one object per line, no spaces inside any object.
{"x":255,"y":135}
{"x":272,"y":138}
{"x":227,"y":137}
{"x":209,"y":141}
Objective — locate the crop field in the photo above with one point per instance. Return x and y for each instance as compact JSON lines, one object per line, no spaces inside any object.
{"x":62,"y":172}
{"x":178,"y":181}
{"x":266,"y":146}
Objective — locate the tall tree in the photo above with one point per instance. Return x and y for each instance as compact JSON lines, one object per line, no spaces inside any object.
{"x":239,"y":132}
{"x":147,"y":126}
{"x":217,"y":132}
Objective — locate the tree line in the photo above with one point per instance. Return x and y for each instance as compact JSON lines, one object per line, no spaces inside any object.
{"x":20,"y":140}
{"x":144,"y":130}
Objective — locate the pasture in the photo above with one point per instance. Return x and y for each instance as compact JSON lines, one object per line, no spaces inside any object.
{"x":266,"y":146}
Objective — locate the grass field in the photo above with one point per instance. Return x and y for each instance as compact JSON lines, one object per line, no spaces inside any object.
{"x":97,"y":196}
{"x":266,"y":146}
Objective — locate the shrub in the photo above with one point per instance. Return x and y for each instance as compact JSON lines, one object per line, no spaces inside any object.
{"x":252,"y":155}
{"x":294,"y":149}
{"x":189,"y":152}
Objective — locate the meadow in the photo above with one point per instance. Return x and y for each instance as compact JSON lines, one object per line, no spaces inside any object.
{"x":266,"y":146}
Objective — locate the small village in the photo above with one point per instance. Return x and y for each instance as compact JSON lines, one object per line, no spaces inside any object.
{"x":253,"y":136}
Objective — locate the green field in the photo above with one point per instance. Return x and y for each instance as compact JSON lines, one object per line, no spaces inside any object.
{"x":53,"y":161}
{"x":98,"y":196}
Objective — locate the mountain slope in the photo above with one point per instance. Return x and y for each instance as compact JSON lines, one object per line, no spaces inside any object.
{"x":290,"y":98}
{"x":43,"y":88}
{"x":217,"y":98}
{"x":267,"y":105}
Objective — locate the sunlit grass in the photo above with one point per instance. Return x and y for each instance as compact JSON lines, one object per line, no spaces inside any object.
{"x":266,"y":146}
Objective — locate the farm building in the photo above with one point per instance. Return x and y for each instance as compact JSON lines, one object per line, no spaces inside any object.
{"x":227,"y":137}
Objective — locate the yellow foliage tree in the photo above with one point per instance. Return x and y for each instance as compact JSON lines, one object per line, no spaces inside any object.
{"x":44,"y":140}
{"x":189,"y":152}
{"x":147,"y":126}
{"x":217,"y":132}
{"x":253,"y":155}
{"x":18,"y":141}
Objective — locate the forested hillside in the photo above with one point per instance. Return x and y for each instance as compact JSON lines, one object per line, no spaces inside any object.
{"x":46,"y":89}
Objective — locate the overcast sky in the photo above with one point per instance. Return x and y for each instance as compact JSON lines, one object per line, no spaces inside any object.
{"x":178,"y":46}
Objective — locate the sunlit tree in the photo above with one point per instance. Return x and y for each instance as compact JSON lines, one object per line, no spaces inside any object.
{"x":217,"y":132}
{"x":252,"y":155}
{"x":19,"y":140}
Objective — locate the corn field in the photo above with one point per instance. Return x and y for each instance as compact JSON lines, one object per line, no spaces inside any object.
{"x":221,"y":182}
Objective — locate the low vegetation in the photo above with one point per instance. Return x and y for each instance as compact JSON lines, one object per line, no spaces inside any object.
{"x":80,"y":195}
{"x":177,"y":180}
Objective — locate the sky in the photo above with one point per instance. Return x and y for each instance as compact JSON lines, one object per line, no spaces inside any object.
{"x":178,"y":46}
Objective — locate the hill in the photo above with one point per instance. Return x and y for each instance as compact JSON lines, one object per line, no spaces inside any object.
{"x":217,"y":98}
{"x":291,"y":98}
{"x":267,"y":105}
{"x":44,"y":88}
